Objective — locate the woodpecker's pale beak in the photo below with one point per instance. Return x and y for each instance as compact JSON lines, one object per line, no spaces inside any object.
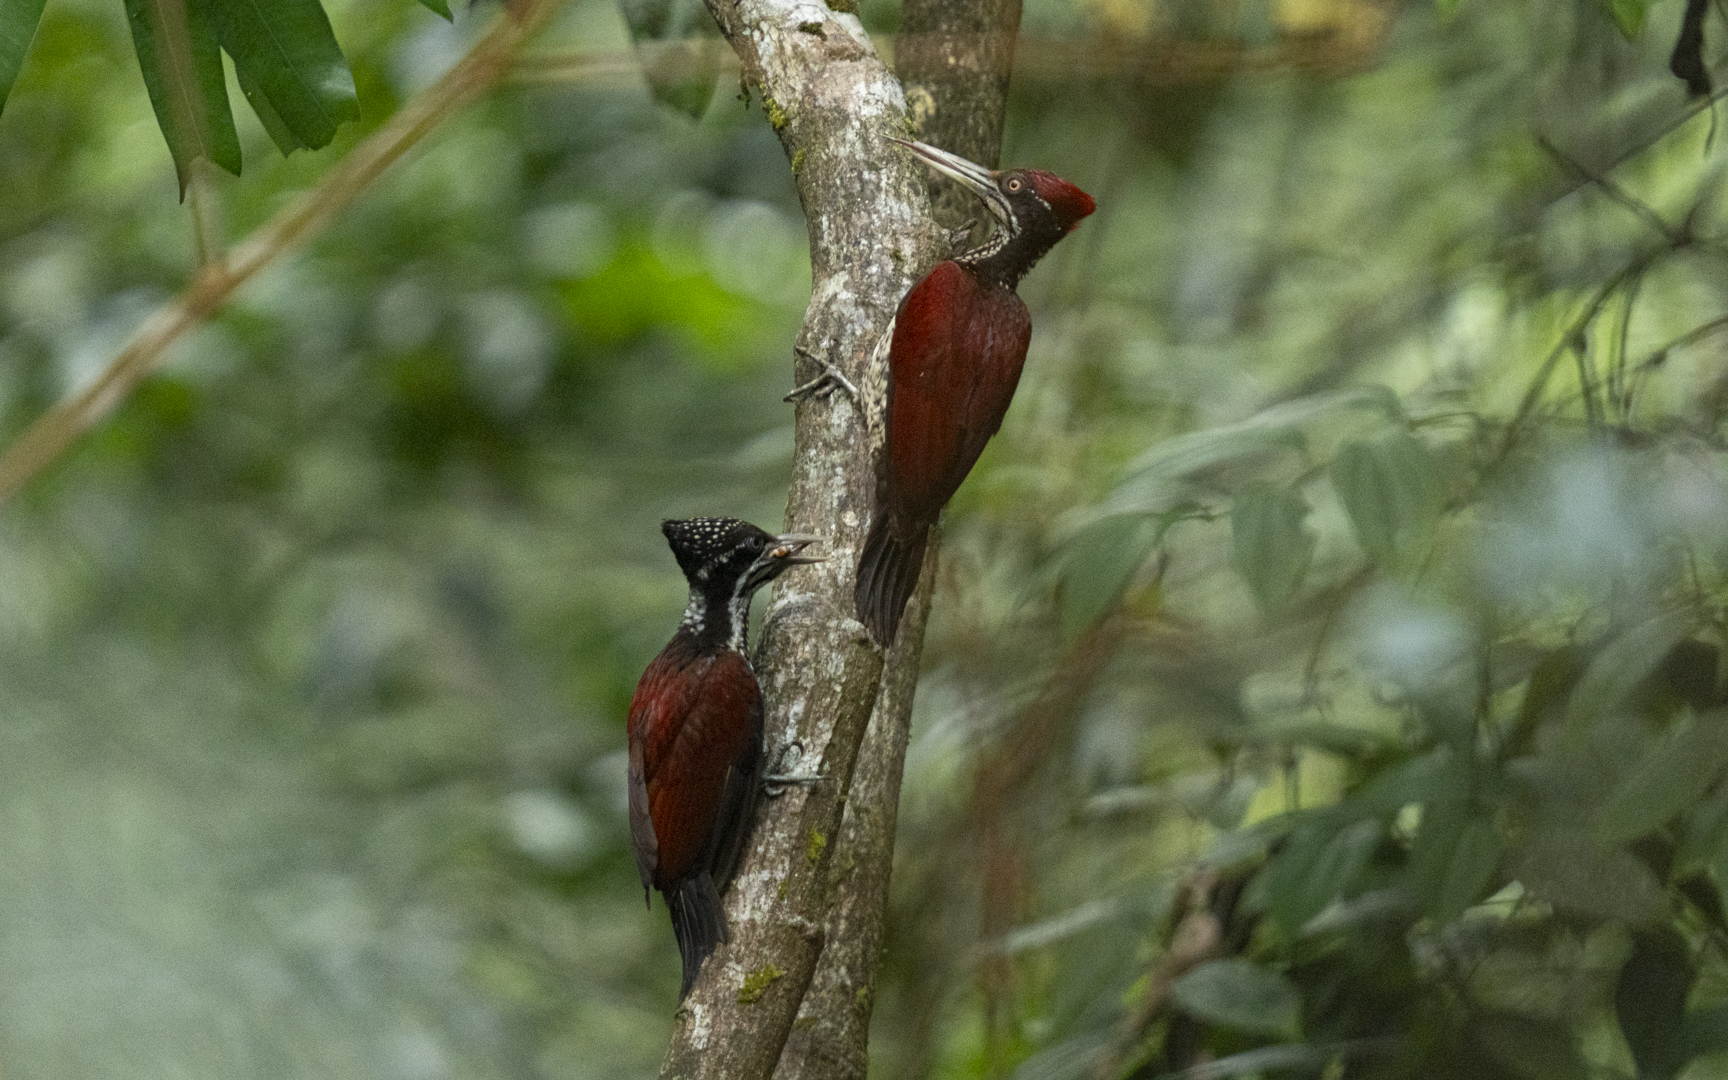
{"x":788,"y":549}
{"x":974,"y":177}
{"x":785,"y":552}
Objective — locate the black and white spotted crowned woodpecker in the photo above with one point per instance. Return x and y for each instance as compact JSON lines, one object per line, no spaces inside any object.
{"x":695,"y":730}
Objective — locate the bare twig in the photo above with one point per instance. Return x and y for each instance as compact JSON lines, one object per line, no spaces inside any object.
{"x":1696,"y":334}
{"x":216,"y":281}
{"x":1573,"y":337}
{"x":1637,"y":206}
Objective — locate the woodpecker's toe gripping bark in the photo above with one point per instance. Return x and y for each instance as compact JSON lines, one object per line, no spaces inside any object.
{"x":824,"y":383}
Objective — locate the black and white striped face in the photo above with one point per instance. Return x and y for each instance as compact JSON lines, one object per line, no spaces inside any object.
{"x":725,"y":561}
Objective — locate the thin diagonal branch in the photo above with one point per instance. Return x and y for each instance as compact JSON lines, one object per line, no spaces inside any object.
{"x":1613,"y":190}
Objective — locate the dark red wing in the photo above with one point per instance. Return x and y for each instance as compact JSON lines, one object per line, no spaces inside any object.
{"x":956,"y":356}
{"x":693,"y":722}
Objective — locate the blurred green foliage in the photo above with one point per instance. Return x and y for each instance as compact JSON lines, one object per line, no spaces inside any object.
{"x":1345,"y":592}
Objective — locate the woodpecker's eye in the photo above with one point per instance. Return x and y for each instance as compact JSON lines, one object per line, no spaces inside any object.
{"x":755,"y":543}
{"x":1014,"y":184}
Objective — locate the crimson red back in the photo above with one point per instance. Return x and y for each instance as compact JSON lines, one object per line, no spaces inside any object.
{"x":691,"y":721}
{"x":955,"y":360}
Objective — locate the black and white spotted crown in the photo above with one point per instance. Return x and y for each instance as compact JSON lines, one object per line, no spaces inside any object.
{"x":702,"y":544}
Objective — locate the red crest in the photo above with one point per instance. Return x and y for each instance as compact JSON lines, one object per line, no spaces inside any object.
{"x":1068,"y":202}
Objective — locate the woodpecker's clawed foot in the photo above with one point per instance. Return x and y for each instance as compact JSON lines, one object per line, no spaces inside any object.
{"x":782,"y":777}
{"x":824,"y":383}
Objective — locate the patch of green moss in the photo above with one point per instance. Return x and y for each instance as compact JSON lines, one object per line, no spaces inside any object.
{"x":777,"y":118}
{"x":797,"y":160}
{"x":862,"y":997}
{"x":850,"y":7}
{"x":818,"y":844}
{"x":781,"y":895}
{"x":756,"y":983}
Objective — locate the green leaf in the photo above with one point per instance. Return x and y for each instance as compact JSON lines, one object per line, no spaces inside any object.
{"x":1271,"y":545}
{"x":441,"y":7}
{"x":18,"y":19}
{"x":1453,"y":859}
{"x":279,"y":131}
{"x":1536,"y":1049}
{"x":1457,"y":846}
{"x":1097,"y":565}
{"x":1393,"y":490}
{"x":1628,"y":16}
{"x":1569,"y":869}
{"x":1344,"y":740}
{"x":675,"y":41}
{"x":1706,"y":1031}
{"x":1320,"y":862}
{"x":286,"y":50}
{"x":1701,"y":833}
{"x":1621,"y":665}
{"x":1671,"y":776}
{"x":1470,"y":873}
{"x":1435,"y":776}
{"x":1239,"y":994}
{"x":1719,"y":863}
{"x":176,"y":45}
{"x":1549,"y":689}
{"x":1650,"y":1001}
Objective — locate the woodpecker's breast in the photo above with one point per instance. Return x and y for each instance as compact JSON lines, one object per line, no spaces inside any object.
{"x":958,"y":348}
{"x":691,"y":721}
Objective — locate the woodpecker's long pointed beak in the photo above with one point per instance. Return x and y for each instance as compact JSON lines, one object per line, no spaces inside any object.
{"x":972,"y":176}
{"x":789,"y":548}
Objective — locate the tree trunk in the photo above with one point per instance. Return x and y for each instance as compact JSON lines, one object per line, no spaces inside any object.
{"x":954,"y":57}
{"x":834,"y":105}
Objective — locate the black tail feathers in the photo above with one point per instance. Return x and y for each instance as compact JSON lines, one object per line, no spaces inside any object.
{"x":697,"y":923}
{"x":887,"y":574}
